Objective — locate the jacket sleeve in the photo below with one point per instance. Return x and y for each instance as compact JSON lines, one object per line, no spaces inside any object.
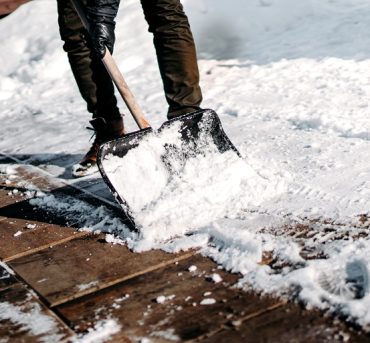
{"x":102,"y":8}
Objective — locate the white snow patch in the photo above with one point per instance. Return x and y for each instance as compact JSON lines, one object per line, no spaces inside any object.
{"x":168,"y":334}
{"x":114,"y":240}
{"x":208,"y":301}
{"x":100,"y":333}
{"x":161,"y":299}
{"x":30,"y":318}
{"x":143,"y":340}
{"x":31,"y":226}
{"x":216,"y":278}
{"x":85,"y":286}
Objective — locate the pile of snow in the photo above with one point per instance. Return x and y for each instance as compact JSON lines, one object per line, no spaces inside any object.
{"x":169,"y":195}
{"x":290,"y":82}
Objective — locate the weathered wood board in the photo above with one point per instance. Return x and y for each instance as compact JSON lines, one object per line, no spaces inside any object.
{"x":24,"y":237}
{"x":85,"y":265}
{"x":182,"y":312}
{"x":24,"y":319}
{"x":287,"y":324}
{"x":7,"y":197}
{"x":28,"y":177}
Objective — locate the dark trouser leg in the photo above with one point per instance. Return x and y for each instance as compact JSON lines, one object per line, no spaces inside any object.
{"x":92,"y":79}
{"x":176,"y":54}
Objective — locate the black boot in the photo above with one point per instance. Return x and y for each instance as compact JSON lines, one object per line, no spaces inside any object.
{"x":104,"y":131}
{"x":179,"y":111}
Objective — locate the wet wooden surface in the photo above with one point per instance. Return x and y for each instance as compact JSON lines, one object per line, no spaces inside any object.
{"x":7,"y":197}
{"x":288,"y":323}
{"x":85,"y":265}
{"x":24,"y":237}
{"x":170,"y":299}
{"x":83,"y":280}
{"x":28,"y":177}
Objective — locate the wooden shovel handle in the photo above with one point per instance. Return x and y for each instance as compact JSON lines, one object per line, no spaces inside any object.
{"x":116,"y":76}
{"x":125,"y":92}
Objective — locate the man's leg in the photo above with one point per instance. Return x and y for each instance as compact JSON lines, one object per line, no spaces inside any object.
{"x":176,"y":54}
{"x":93,"y":81}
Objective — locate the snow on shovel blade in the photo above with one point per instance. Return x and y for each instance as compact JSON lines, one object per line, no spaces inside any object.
{"x":140,"y":166}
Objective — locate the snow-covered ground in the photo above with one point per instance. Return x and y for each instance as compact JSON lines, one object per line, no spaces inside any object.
{"x":291,"y":82}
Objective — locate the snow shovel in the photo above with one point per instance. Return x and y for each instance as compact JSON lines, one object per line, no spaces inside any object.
{"x":193,"y":131}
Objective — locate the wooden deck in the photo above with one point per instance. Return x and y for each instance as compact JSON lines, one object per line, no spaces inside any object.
{"x":75,"y":279}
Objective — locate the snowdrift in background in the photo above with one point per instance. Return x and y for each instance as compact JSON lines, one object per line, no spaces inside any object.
{"x":233,"y":29}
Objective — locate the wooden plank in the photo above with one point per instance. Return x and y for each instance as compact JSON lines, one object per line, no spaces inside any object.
{"x":16,"y":173}
{"x":24,"y":319}
{"x":85,"y":265}
{"x":25,"y":180}
{"x":24,"y":237}
{"x":136,"y":304}
{"x":6,"y":279}
{"x":7,"y":197}
{"x":23,"y":184}
{"x":27,"y":176}
{"x":287,"y":324}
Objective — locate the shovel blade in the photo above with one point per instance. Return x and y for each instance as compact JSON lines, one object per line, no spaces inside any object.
{"x":139,"y":159}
